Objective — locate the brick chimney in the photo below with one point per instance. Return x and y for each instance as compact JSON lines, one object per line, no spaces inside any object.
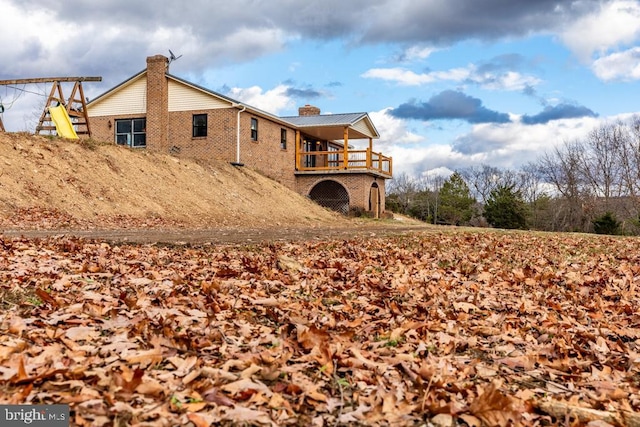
{"x":157,"y":104}
{"x":308,"y":110}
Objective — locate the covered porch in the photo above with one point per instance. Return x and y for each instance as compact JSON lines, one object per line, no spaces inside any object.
{"x":323,"y":146}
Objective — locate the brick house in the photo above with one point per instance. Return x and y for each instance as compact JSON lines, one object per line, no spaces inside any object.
{"x":309,"y":153}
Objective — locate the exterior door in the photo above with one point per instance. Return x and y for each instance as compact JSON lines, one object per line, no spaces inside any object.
{"x":374,"y":200}
{"x":309,"y":159}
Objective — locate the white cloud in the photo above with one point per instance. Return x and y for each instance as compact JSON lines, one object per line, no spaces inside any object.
{"x":399,"y":75}
{"x":438,"y":172}
{"x":273,"y":101}
{"x":244,"y":43}
{"x":406,"y":77}
{"x":33,"y":38}
{"x":508,"y":145}
{"x":417,"y":53}
{"x":616,"y":23}
{"x":454,"y":74}
{"x":393,"y":130}
{"x":418,"y":160}
{"x":509,"y":80}
{"x":619,"y":66}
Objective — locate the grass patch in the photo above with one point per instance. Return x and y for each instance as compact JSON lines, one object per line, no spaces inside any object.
{"x":16,"y":297}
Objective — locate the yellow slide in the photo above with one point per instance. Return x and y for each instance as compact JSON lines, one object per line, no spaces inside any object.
{"x":61,"y":119}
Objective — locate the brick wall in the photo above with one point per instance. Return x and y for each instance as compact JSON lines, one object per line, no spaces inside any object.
{"x":358,"y":185}
{"x":308,"y":110}
{"x":104,"y":128}
{"x":263,"y":155}
{"x":100,"y":130}
{"x":219,"y":143}
{"x":157,"y":104}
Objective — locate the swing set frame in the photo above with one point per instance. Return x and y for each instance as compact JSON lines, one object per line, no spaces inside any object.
{"x":75,"y":105}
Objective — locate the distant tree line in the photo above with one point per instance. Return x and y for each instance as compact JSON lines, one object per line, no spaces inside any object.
{"x":588,"y":185}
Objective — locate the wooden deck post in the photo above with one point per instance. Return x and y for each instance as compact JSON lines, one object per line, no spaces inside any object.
{"x":297,"y":150}
{"x":346,"y":147}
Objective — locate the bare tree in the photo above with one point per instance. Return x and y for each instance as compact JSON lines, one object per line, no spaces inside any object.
{"x":599,"y":162}
{"x":561,"y":169}
{"x":404,"y":187}
{"x":629,"y":158}
{"x":433,"y":185}
{"x":482,"y":180}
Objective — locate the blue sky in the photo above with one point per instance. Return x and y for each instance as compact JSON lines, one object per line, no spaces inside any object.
{"x":448,"y":84}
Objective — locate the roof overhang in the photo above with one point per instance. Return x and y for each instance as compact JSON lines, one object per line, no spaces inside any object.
{"x":332,"y":127}
{"x":333,"y":132}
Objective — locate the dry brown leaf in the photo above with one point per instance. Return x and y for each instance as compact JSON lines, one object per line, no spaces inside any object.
{"x":493,"y":407}
{"x":241,"y":415}
{"x":198,"y":420}
{"x":82,"y":333}
{"x":245,"y":384}
{"x":145,"y":357}
{"x":151,"y":387}
{"x":363,"y":330}
{"x":213,"y":395}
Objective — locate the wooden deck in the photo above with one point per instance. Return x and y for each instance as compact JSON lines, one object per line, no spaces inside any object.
{"x":314,"y":162}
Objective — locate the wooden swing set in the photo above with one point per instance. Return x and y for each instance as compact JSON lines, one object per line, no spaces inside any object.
{"x":75,"y":106}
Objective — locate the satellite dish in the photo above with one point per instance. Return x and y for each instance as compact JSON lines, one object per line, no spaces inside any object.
{"x":173,"y":57}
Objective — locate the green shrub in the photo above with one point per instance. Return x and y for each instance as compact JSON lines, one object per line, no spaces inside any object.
{"x":606,"y":224}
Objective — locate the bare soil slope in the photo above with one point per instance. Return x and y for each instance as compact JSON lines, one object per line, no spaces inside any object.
{"x":55,"y":184}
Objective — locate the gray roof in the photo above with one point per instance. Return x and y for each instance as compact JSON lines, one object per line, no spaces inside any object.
{"x":345,"y":119}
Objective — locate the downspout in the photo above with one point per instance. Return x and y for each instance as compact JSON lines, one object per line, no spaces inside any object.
{"x":237,"y":162}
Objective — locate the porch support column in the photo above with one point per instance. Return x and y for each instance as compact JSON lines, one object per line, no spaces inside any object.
{"x":370,"y":154}
{"x":346,"y":148}
{"x":297,"y":150}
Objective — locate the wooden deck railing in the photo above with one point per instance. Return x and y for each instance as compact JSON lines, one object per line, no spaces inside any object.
{"x":363,"y":160}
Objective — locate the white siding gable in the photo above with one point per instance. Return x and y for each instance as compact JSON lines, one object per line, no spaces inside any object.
{"x":187,"y":98}
{"x":364,"y":128}
{"x":130,"y":99}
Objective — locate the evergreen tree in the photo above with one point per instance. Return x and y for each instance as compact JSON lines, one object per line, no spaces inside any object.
{"x":606,"y":224}
{"x":505,"y":208}
{"x":456,"y":203}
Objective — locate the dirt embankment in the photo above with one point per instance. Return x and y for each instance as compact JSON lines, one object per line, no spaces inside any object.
{"x":51,"y":183}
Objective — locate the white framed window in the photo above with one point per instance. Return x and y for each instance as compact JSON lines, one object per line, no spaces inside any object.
{"x":131,"y":132}
{"x":199,"y":125}
{"x":254,"y":129}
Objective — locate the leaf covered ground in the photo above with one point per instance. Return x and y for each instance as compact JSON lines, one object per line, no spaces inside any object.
{"x":448,"y":328}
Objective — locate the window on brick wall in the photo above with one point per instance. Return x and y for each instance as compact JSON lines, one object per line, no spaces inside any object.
{"x":131,"y":132}
{"x":283,"y":139}
{"x":254,"y":129}
{"x":199,"y":125}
